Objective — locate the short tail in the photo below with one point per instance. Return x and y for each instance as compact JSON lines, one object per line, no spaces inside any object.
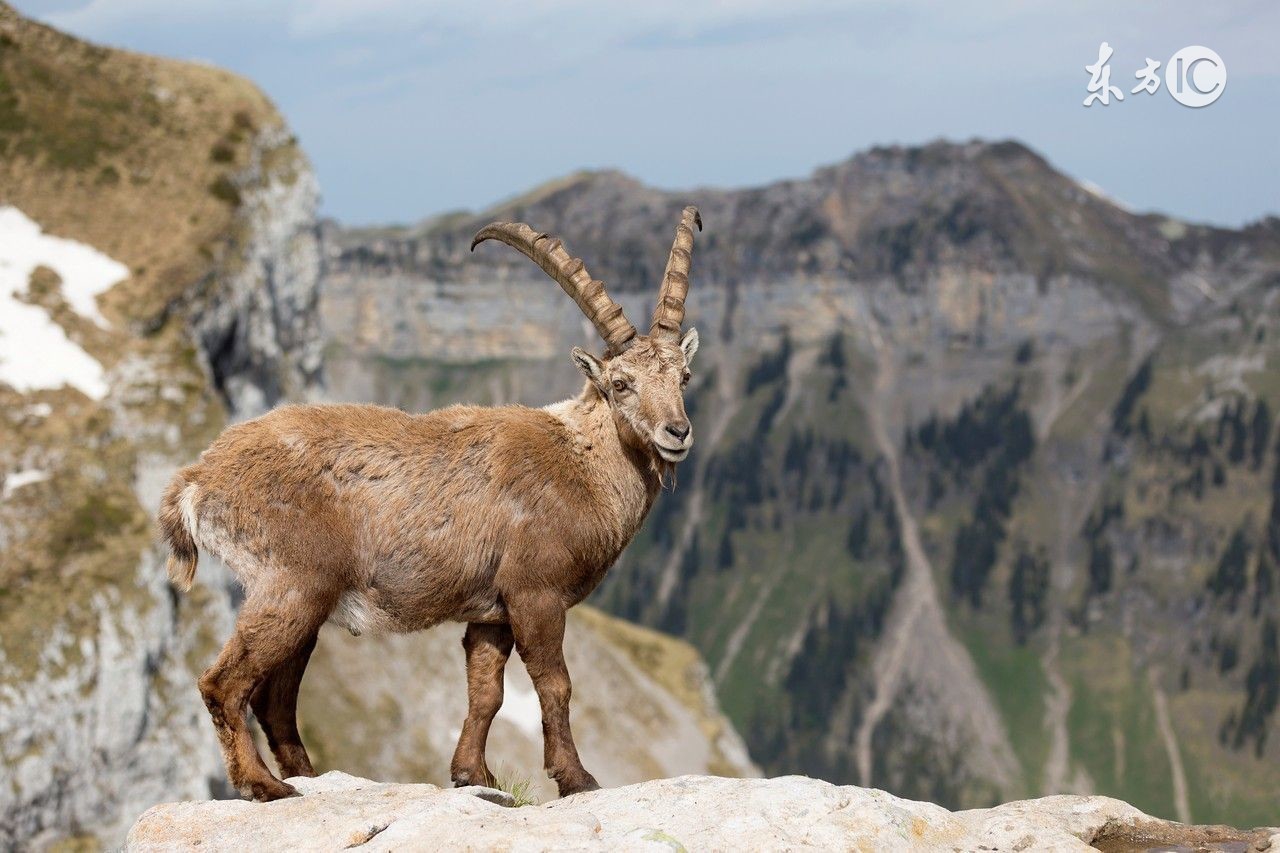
{"x":177,"y":515}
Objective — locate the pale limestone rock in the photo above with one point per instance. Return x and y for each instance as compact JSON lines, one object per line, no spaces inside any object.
{"x":338,"y":811}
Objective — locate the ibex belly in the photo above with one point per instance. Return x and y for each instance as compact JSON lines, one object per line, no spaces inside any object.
{"x":358,"y":611}
{"x":401,"y":596}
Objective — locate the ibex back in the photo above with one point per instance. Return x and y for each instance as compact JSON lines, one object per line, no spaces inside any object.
{"x":378,"y":520}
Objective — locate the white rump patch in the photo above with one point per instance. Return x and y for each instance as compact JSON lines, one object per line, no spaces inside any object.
{"x":187,"y":506}
{"x":35,"y":352}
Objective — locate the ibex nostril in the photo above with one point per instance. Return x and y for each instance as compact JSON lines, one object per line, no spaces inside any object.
{"x":679,"y":430}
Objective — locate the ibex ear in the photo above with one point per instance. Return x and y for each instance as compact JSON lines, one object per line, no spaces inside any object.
{"x":590,"y":366}
{"x":689,"y":343}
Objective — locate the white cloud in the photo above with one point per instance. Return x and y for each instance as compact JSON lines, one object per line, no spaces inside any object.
{"x":100,"y":18}
{"x":442,"y":90}
{"x":309,"y":19}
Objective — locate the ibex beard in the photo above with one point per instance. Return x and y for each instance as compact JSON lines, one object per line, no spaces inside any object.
{"x":378,"y":520}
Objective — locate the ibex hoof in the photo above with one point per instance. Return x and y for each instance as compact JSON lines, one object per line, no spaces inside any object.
{"x":465,"y":778}
{"x":579,"y":786}
{"x":267,"y":791}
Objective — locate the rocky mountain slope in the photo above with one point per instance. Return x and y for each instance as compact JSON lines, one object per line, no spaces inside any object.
{"x":159,"y":260}
{"x":984,"y":498}
{"x":160,"y":233}
{"x":338,"y":812}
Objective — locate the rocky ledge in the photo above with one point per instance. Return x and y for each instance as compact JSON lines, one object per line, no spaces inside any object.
{"x":337,"y":812}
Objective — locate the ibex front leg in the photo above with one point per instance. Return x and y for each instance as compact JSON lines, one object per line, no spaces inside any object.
{"x":487,"y":648}
{"x":538,"y":624}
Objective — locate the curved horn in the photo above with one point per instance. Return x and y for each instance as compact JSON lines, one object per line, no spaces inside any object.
{"x":570,"y":273}
{"x":669,"y":314}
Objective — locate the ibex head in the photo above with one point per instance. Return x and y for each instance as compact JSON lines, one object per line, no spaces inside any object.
{"x":642,"y":377}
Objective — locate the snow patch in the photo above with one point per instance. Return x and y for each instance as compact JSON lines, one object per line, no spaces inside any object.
{"x":35,"y":352}
{"x":18,"y":479}
{"x":1098,"y":192}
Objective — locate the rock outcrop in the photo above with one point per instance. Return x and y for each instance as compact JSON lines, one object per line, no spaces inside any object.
{"x":337,"y":812}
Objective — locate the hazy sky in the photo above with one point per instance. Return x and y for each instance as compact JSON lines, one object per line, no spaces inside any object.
{"x":412,"y":107}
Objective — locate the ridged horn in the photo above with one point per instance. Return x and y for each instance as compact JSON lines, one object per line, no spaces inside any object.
{"x":570,"y":273}
{"x":669,"y":314}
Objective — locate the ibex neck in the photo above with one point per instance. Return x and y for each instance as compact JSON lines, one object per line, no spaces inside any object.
{"x":632,"y":472}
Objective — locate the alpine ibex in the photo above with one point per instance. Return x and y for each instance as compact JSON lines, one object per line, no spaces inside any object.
{"x":375,"y":519}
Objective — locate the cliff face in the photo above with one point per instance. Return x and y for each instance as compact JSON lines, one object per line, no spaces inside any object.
{"x":985,"y":472}
{"x":187,"y":187}
{"x":159,"y":259}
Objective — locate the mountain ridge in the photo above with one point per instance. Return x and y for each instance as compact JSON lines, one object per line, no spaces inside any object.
{"x":569,"y":179}
{"x":999,"y":298}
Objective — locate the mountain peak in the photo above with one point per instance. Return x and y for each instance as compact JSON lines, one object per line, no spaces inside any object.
{"x":581,"y":181}
{"x":904,"y":212}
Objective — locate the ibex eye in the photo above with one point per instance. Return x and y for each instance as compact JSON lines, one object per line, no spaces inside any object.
{"x":684,"y":380}
{"x":619,"y":385}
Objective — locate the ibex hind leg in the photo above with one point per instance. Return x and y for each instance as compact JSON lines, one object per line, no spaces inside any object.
{"x":274,"y":627}
{"x":275,"y":705}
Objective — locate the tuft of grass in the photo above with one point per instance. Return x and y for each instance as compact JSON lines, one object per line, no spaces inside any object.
{"x":222,"y":152}
{"x":516,"y":784}
{"x":224,"y":189}
{"x":108,"y":176}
